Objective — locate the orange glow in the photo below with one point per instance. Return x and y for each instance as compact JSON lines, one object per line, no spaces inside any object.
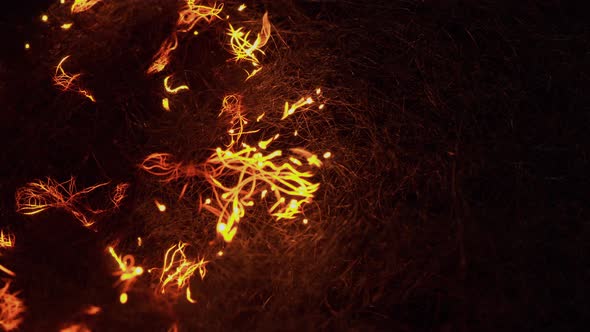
{"x":177,"y":270}
{"x":162,"y":57}
{"x":127,"y":272}
{"x":44,"y":18}
{"x":75,"y":328}
{"x":11,"y":309}
{"x":41,"y":195}
{"x":7,"y":240}
{"x":83,"y":5}
{"x":192,"y":13}
{"x":66,"y":81}
{"x":305,"y":221}
{"x":139,"y":241}
{"x":242,"y":7}
{"x":172,"y":90}
{"x":243,"y":49}
{"x":27,"y":46}
{"x":92,"y":310}
{"x":161,"y":207}
{"x":327,"y":155}
{"x":66,"y":26}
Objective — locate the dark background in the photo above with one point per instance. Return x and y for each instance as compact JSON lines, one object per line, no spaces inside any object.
{"x":457,"y":200}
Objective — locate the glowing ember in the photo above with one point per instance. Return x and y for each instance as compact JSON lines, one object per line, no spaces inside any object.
{"x":66,"y":26}
{"x":11,"y":308}
{"x":127,"y":272}
{"x":27,"y":46}
{"x":83,"y":5}
{"x":289,"y":110}
{"x":41,"y":195}
{"x":92,"y":310}
{"x":161,"y":207}
{"x":166,"y":104}
{"x":242,"y":7}
{"x":66,"y":81}
{"x":44,"y":18}
{"x":178,"y":270}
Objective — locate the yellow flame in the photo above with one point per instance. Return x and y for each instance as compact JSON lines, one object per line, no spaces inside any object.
{"x":177,"y":270}
{"x":11,"y":309}
{"x":83,"y":5}
{"x":66,"y":81}
{"x":172,"y":90}
{"x":39,"y":196}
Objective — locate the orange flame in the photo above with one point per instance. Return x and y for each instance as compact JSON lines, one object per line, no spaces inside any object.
{"x":39,"y":196}
{"x":66,"y":81}
{"x":83,"y":5}
{"x":178,"y":270}
{"x":11,"y":308}
{"x":127,"y":274}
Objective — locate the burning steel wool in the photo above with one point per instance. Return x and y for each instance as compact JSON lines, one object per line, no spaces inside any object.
{"x":242,"y":172}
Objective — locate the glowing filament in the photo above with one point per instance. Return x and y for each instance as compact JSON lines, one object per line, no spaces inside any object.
{"x":172,"y":90}
{"x":39,"y":196}
{"x":66,"y":81}
{"x":83,"y":5}
{"x":66,"y":26}
{"x":244,"y":49}
{"x":290,"y":109}
{"x":162,"y":57}
{"x":178,"y":270}
{"x":161,"y":207}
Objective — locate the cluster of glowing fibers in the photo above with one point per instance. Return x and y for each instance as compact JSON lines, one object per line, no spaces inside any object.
{"x":40,"y":195}
{"x":160,"y":164}
{"x":127,"y":273}
{"x":290,"y":109}
{"x":232,"y":107}
{"x":11,"y":309}
{"x":177,"y":270}
{"x":7,"y":240}
{"x":237,"y":177}
{"x":191,"y":14}
{"x":244,"y":49}
{"x":80,"y":6}
{"x":66,"y":81}
{"x":119,"y":194}
{"x":162,"y":57}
